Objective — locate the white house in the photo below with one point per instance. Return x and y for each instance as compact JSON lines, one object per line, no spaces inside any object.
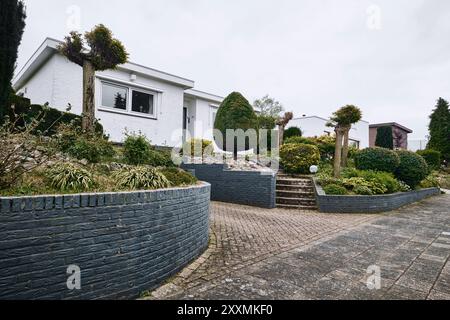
{"x":132,"y":97}
{"x":316,"y":126}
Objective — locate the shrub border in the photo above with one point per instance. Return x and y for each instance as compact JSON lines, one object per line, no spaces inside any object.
{"x":368,"y":204}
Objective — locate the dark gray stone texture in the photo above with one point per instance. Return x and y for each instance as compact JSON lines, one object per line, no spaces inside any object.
{"x":240,"y":187}
{"x":124,"y":243}
{"x":369,"y":204}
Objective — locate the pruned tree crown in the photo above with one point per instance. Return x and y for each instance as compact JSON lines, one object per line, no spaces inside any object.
{"x":103,"y":50}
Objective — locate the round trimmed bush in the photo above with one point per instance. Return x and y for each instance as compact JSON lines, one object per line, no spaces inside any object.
{"x":412,"y":169}
{"x":378,"y":159}
{"x":292,"y":132}
{"x":432,"y":157}
{"x":298,"y":158}
{"x":334,"y":189}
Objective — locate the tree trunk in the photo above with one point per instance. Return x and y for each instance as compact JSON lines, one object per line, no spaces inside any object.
{"x":281,"y":130}
{"x":338,"y":153}
{"x":88,"y":121}
{"x":344,"y":161}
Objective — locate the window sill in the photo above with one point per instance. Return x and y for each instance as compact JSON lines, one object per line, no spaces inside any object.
{"x":125,"y":113}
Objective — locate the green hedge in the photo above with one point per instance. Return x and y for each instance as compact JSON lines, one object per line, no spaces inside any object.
{"x":432,"y":157}
{"x":52,"y":118}
{"x":298,"y":158}
{"x":378,"y":159}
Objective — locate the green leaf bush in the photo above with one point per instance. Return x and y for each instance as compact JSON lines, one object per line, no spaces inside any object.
{"x":432,"y":157}
{"x":136,"y":149}
{"x":68,"y":177}
{"x":94,"y":148}
{"x":430,"y":181}
{"x":25,"y":112}
{"x":197,"y":148}
{"x":334,"y":189}
{"x":298,"y":158}
{"x":178,"y":177}
{"x":140,"y":177}
{"x":412,"y":169}
{"x":363,"y":191}
{"x":299,"y":140}
{"x":378,"y":159}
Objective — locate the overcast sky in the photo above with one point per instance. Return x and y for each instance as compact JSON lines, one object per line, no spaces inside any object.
{"x":390,"y":58}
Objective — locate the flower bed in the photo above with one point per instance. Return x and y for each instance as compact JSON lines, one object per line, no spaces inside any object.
{"x":371,"y":203}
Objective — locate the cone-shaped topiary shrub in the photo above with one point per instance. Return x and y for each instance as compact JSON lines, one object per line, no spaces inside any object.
{"x":378,"y":159}
{"x":234,"y":113}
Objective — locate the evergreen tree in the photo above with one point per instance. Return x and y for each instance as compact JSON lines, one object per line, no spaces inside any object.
{"x":385,"y":138}
{"x":12,"y":25}
{"x":234,"y":113}
{"x":440,"y":129}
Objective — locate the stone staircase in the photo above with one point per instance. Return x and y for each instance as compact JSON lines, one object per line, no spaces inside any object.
{"x":295,"y":192}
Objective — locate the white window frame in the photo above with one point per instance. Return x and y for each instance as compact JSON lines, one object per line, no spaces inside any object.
{"x":130,"y":88}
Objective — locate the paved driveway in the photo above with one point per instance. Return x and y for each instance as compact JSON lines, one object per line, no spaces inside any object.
{"x":278,"y":254}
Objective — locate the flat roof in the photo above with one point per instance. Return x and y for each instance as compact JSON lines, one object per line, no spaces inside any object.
{"x":317,"y":117}
{"x":391,"y":124}
{"x":49,"y":47}
{"x":204,"y":95}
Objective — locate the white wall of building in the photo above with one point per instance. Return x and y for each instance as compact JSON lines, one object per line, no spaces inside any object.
{"x":59,"y":82}
{"x":316,"y":126}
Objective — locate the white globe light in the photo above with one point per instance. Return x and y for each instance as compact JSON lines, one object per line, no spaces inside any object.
{"x":314,"y":169}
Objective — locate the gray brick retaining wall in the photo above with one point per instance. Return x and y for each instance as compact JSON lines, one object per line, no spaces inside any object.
{"x":369,"y":204}
{"x":124,"y":243}
{"x":240,"y":187}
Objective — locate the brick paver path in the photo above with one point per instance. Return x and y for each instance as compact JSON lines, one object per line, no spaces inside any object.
{"x":282,"y":254}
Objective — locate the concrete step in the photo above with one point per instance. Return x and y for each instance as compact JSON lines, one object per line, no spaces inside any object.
{"x":292,"y":176}
{"x":304,"y":182}
{"x":295,"y":194}
{"x":297,"y":201}
{"x":292,"y":187}
{"x":290,"y":207}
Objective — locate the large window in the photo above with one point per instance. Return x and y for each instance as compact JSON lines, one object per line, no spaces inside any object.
{"x":142,"y":102}
{"x":114,"y":96}
{"x":128,"y":99}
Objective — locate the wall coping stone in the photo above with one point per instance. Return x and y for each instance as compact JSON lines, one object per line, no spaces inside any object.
{"x":368,"y":204}
{"x":94,"y":200}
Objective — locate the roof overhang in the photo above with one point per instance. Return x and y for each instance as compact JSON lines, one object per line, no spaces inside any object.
{"x":191,"y":93}
{"x":391,"y":124}
{"x":49,"y":48}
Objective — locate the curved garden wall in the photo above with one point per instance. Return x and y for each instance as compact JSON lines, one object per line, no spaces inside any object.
{"x":124,"y":243}
{"x":369,"y":204}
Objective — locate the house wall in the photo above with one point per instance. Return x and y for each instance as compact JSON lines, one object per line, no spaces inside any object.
{"x":59,"y":82}
{"x":204,"y":125}
{"x":165,"y":130}
{"x":315,"y":126}
{"x":373,"y":136}
{"x":400,"y":137}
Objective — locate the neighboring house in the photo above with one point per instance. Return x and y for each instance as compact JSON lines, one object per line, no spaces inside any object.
{"x":316,"y":126}
{"x":399,"y":132}
{"x":132,"y":97}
